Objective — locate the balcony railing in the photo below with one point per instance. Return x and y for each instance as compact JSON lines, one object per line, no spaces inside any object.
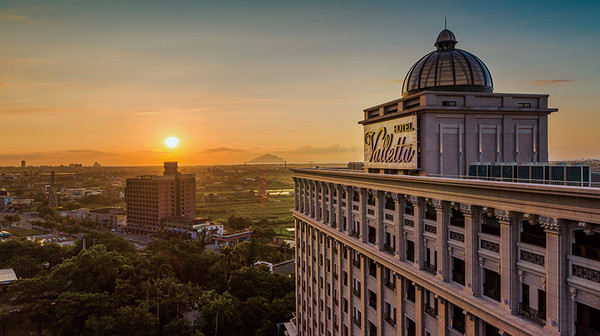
{"x":431,"y":311}
{"x":354,"y":233}
{"x":532,"y":314}
{"x":356,"y":321}
{"x":356,"y":292}
{"x":356,"y":263}
{"x":387,"y":283}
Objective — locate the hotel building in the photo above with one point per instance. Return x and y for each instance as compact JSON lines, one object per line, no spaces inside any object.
{"x":151,"y":198}
{"x":457,"y":225}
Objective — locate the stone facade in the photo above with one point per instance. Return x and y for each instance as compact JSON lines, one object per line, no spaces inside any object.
{"x":502,"y":258}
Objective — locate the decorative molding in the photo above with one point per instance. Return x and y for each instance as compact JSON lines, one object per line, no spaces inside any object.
{"x":550,"y":224}
{"x":457,"y":236}
{"x":521,"y":274}
{"x":437,"y":204}
{"x":533,"y":258}
{"x":490,"y":246}
{"x":413,"y":199}
{"x":502,"y":215}
{"x":544,"y":284}
{"x":586,"y":273}
{"x":466,"y":209}
{"x":573,"y":292}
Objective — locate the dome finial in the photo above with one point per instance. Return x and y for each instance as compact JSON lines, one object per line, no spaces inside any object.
{"x":445,"y":23}
{"x":445,"y":40}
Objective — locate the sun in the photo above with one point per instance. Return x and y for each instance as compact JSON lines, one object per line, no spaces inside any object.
{"x":171,"y":142}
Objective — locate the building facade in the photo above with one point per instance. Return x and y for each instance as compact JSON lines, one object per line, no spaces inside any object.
{"x":151,"y":198}
{"x":411,"y":246}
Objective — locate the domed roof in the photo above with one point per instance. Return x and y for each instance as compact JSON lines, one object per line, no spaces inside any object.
{"x":448,"y":69}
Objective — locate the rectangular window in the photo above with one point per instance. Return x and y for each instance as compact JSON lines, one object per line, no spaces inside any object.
{"x":524,"y":105}
{"x":449,"y":103}
{"x":410,"y":291}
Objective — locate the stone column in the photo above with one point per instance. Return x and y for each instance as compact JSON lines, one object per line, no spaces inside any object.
{"x":399,"y":304}
{"x":379,"y":204}
{"x":323,"y":198}
{"x":509,"y":232}
{"x":296,"y":194}
{"x":442,"y":316}
{"x":362,"y":215}
{"x":472,"y":269}
{"x":330,"y":220}
{"x":471,"y":324}
{"x":380,"y":317}
{"x":442,"y":210}
{"x":349,"y":294}
{"x":399,"y":225}
{"x":349,"y":203}
{"x":338,"y":285}
{"x":312,"y":198}
{"x":340,"y":211}
{"x":557,"y":300}
{"x":301,"y":195}
{"x":419,"y":318}
{"x":419,"y":206}
{"x":363,"y":293}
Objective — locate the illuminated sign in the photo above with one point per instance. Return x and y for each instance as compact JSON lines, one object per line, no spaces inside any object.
{"x":392,"y":144}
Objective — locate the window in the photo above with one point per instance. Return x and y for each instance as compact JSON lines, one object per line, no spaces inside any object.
{"x":409,"y":209}
{"x":345,"y":305}
{"x":430,"y":212}
{"x":458,"y":271}
{"x":372,"y":329}
{"x":356,"y":316}
{"x":410,"y":291}
{"x":457,"y":319}
{"x":490,"y":225}
{"x":449,"y":103}
{"x":372,"y":268}
{"x":524,"y":105}
{"x":586,"y":246}
{"x":457,"y":218}
{"x":389,"y":313}
{"x":356,"y":287}
{"x":525,"y":295}
{"x":533,"y":234}
{"x":372,"y":299}
{"x":410,"y":251}
{"x":491,"y":284}
{"x":372,"y":235}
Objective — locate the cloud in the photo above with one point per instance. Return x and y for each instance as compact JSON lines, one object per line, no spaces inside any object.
{"x":542,"y":82}
{"x":9,"y":14}
{"x":87,"y":152}
{"x":222,"y":149}
{"x":335,"y":148}
{"x":62,"y":154}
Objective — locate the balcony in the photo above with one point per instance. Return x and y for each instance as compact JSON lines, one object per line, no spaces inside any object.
{"x":532,"y":314}
{"x":356,"y":263}
{"x":354,"y":234}
{"x":430,"y":311}
{"x":356,"y":321}
{"x":356,"y":292}
{"x":389,"y":249}
{"x":389,"y":284}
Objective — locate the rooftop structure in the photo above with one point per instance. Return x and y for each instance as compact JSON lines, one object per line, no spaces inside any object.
{"x":409,"y":246}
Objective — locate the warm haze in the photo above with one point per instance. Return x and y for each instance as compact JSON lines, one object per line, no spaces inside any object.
{"x":110,"y":81}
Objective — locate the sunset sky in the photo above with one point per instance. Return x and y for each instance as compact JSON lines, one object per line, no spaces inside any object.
{"x":109,"y":81}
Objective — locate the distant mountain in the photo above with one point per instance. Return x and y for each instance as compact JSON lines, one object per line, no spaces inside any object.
{"x":267,"y":158}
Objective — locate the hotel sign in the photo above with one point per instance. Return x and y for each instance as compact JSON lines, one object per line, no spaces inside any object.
{"x":392,"y":144}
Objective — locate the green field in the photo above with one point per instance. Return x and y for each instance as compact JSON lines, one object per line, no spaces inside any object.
{"x":240,"y":204}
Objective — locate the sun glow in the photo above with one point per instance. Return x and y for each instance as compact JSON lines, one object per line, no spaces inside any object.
{"x":171,"y":142}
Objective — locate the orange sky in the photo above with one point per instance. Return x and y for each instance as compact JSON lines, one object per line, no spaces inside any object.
{"x":109,"y":82}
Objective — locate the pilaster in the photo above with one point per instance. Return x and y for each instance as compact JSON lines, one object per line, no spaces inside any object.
{"x":419,"y":207}
{"x":472,"y":271}
{"x":557,"y":300}
{"x":362,"y":215}
{"x":399,"y":225}
{"x":443,"y":218}
{"x":509,"y":232}
{"x":442,"y":316}
{"x":379,"y":203}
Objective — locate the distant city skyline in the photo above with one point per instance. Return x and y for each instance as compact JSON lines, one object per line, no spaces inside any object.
{"x":110,"y":81}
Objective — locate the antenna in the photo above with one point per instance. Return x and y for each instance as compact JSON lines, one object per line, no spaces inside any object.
{"x":445,"y":23}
